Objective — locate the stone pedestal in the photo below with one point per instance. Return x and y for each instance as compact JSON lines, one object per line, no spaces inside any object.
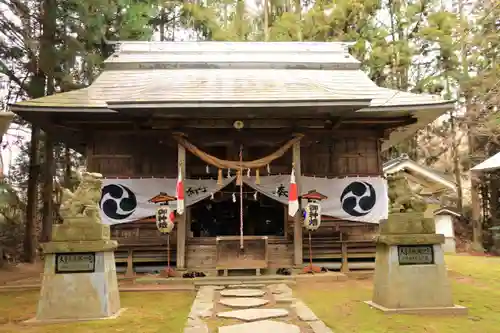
{"x":410,"y":273}
{"x":79,"y":281}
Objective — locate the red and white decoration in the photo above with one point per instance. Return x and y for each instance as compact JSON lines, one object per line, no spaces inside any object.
{"x":293,"y":199}
{"x":179,"y":194}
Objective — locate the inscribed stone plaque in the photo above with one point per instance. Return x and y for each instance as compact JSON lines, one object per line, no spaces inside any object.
{"x":415,"y":254}
{"x":75,"y":263}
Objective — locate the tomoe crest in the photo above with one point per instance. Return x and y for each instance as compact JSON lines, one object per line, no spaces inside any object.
{"x":117,"y":202}
{"x":358,"y":198}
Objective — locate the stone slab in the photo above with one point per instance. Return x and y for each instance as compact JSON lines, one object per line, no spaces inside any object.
{"x":243,"y":302}
{"x":80,"y":246}
{"x":247,"y":286}
{"x":262,"y":326}
{"x":242,"y":293}
{"x":407,"y":223}
{"x":411,"y":239}
{"x":82,"y":229}
{"x":303,"y":311}
{"x":439,"y":311}
{"x":254,"y":314}
{"x":319,"y":327}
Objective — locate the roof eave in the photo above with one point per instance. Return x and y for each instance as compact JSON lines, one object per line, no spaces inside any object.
{"x":424,"y":114}
{"x":438,"y":106}
{"x":19,"y":108}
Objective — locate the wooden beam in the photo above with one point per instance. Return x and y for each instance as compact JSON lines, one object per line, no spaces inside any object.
{"x":182,"y":219}
{"x":255,"y":123}
{"x":297,"y":225}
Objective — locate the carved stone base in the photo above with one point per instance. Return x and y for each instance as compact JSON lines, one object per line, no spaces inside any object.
{"x":410,"y":272}
{"x":79,"y":296}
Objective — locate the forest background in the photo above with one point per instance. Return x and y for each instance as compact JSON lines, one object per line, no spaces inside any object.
{"x":445,"y":47}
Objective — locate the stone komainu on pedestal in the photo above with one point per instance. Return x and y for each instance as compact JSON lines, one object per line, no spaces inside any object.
{"x":79,"y":280}
{"x":410,"y":273}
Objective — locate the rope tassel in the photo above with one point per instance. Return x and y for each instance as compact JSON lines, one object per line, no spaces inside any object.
{"x":219,"y":177}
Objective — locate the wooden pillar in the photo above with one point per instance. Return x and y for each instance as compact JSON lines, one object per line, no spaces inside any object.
{"x":48,"y":187}
{"x":297,"y":225}
{"x":181,"y":220}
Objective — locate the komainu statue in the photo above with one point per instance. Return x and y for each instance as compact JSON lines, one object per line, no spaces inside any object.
{"x":84,"y":202}
{"x":402,"y":199}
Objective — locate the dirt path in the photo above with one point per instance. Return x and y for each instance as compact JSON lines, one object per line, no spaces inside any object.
{"x":20,"y":273}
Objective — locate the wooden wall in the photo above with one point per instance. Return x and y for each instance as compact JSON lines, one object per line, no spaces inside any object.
{"x":323,"y":155}
{"x":156,"y":156}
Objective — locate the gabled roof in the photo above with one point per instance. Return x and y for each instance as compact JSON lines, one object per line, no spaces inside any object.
{"x":424,"y":175}
{"x":490,"y":164}
{"x":447,"y":211}
{"x":203,"y":73}
{"x":164,"y":75}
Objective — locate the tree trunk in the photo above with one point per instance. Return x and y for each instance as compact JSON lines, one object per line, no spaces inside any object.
{"x":48,"y":184}
{"x":48,"y":64}
{"x":162,"y":24}
{"x":67,"y":168}
{"x":298,"y":12}
{"x":30,"y":239}
{"x":455,"y":143}
{"x":266,"y":20}
{"x":477,"y":227}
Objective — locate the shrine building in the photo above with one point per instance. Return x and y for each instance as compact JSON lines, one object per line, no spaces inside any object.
{"x":233,"y":120}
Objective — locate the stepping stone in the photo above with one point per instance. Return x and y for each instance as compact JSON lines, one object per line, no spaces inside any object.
{"x":254,"y":314}
{"x":243,"y":302}
{"x":243,"y":286}
{"x":303,"y":312}
{"x":243,"y":293}
{"x":262,"y":326}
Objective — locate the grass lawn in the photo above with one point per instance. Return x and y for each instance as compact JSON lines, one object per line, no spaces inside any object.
{"x":147,"y":312}
{"x":475,"y":282}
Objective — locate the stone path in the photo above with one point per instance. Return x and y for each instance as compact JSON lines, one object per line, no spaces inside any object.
{"x":251,"y":309}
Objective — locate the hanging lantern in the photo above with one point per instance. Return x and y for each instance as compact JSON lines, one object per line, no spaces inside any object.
{"x":165,"y":217}
{"x":312,"y":211}
{"x":312,"y":216}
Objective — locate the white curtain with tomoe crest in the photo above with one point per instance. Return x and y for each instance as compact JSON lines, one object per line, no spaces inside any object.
{"x":363,"y":199}
{"x":128,"y":200}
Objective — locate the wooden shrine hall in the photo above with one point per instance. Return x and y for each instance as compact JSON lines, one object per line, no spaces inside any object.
{"x":233,"y":120}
